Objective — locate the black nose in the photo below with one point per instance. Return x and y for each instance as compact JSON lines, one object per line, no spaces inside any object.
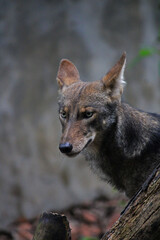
{"x":65,"y":147}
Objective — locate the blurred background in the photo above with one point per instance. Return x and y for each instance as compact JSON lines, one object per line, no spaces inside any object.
{"x":34,"y":36}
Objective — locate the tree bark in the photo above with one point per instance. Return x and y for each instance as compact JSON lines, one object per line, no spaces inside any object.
{"x":52,"y":226}
{"x":141,"y":220}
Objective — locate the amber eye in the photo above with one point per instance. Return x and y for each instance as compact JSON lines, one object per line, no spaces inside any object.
{"x":88,"y":114}
{"x":63,"y":114}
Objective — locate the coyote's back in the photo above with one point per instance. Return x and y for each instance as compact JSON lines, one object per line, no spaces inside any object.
{"x":121,"y":143}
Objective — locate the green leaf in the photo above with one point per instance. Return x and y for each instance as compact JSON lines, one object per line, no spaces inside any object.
{"x":145,"y":52}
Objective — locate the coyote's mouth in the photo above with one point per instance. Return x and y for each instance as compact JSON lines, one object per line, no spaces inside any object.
{"x":74,"y":154}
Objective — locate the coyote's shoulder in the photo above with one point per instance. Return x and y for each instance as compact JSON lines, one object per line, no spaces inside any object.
{"x":121,"y":143}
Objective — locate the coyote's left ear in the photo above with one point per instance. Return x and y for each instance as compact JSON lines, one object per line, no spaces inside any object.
{"x":113,"y":81}
{"x":67,"y":74}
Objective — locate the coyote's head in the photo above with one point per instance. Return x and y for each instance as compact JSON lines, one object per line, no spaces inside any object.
{"x":87,"y":110}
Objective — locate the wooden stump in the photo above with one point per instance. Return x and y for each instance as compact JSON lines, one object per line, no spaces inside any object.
{"x":52,"y":226}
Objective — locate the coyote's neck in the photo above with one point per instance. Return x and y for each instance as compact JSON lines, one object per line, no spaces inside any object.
{"x":134,"y":130}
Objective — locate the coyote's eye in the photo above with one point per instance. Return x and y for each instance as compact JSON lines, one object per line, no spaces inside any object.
{"x":88,"y":114}
{"x":63,"y":114}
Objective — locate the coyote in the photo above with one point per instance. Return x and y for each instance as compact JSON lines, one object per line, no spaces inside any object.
{"x":121,"y":143}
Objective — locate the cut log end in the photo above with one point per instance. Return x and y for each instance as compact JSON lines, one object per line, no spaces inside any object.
{"x":52,"y":226}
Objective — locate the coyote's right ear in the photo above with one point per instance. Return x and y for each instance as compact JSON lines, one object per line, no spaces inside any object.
{"x":113,"y":81}
{"x":67,"y":74}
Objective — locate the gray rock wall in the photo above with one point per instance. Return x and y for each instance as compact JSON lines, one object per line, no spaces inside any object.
{"x":34,"y":36}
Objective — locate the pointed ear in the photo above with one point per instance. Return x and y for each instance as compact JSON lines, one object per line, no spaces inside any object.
{"x":113,"y":81}
{"x":67,"y":74}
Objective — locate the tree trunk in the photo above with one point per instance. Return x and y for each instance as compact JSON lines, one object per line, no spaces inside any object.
{"x":141,"y":220}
